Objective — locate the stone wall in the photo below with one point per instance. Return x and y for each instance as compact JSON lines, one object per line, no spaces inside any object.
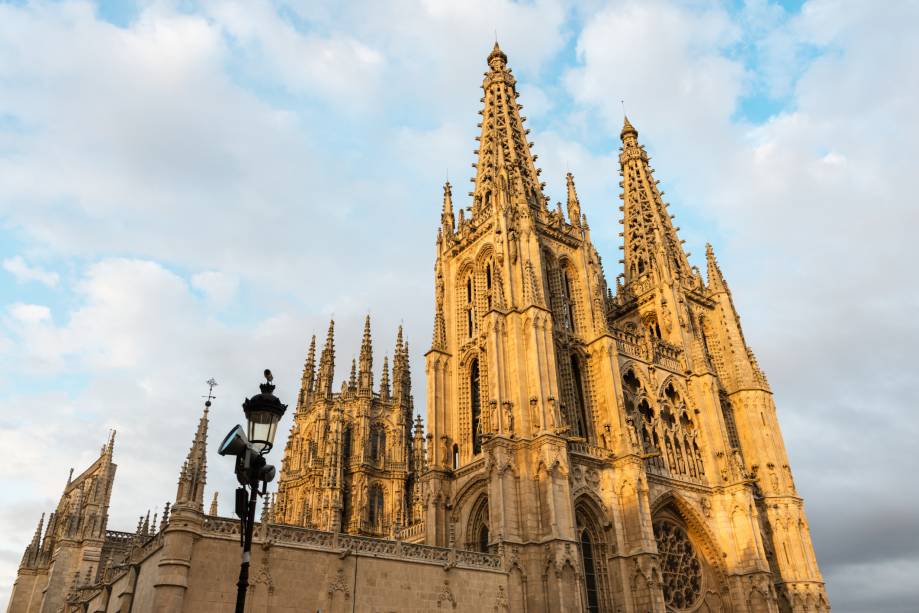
{"x":298,"y":569}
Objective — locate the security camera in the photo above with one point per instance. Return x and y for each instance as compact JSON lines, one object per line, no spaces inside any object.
{"x":235,"y":443}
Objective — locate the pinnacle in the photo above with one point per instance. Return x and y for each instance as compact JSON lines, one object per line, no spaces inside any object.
{"x":627,"y":128}
{"x":497,"y":59}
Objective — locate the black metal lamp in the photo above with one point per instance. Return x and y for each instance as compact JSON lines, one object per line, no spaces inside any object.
{"x":263,"y":412}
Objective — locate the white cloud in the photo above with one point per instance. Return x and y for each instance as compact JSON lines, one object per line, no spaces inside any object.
{"x":280,"y":149}
{"x":30,"y":313}
{"x":18,"y":267}
{"x":219,"y":287}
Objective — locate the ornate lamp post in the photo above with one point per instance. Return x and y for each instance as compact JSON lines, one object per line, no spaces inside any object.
{"x":263,"y":412}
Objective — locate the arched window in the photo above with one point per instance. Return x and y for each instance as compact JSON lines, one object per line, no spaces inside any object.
{"x":592,"y":542}
{"x":455,"y":456}
{"x":488,"y":292}
{"x":377,"y":443}
{"x":475,"y":407}
{"x":477,"y":536}
{"x":345,"y":507}
{"x":375,"y":506}
{"x":470,"y":315}
{"x":727,"y":411}
{"x":590,"y":572}
{"x":569,"y":301}
{"x":346,"y":444}
{"x":580,"y":410}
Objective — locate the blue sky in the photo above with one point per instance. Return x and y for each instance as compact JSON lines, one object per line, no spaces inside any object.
{"x":191,"y":189}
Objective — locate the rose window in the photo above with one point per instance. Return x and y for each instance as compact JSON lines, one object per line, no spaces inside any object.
{"x":681,"y":569}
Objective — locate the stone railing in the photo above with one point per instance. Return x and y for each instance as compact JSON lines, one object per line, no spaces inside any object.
{"x":593,"y":451}
{"x":412,"y":532}
{"x":221,"y":525}
{"x":365,"y":545}
{"x":667,"y":355}
{"x":630,"y":344}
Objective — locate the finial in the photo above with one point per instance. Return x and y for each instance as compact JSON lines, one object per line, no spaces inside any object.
{"x":497,"y":59}
{"x":70,"y":476}
{"x":213,"y":510}
{"x":627,"y":128}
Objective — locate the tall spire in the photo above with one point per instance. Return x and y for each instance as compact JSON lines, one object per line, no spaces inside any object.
{"x":307,"y":382}
{"x":194,"y":471}
{"x":651,"y":241}
{"x":365,"y":385}
{"x":574,"y":205}
{"x":327,"y":364}
{"x":506,"y":172}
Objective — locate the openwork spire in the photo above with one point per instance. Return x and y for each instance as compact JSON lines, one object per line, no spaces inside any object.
{"x":651,"y":241}
{"x":506,"y":170}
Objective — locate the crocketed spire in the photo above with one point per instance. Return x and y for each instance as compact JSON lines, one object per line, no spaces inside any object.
{"x":506,"y":170}
{"x":194,"y":471}
{"x":651,"y":241}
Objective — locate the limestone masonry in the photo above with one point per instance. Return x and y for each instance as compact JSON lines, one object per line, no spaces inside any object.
{"x":587,"y":447}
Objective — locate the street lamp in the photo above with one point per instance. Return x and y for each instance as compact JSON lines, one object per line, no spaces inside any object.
{"x":263,"y":412}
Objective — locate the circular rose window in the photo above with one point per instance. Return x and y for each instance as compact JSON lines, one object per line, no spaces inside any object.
{"x":681,"y":569}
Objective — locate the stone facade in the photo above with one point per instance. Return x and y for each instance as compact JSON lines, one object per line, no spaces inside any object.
{"x":588,"y":447}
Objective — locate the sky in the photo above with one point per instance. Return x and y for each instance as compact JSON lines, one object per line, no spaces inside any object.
{"x":191,"y":189}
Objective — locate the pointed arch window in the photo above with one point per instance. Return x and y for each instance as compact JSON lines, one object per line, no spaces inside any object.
{"x":488,"y":282}
{"x":593,"y":546}
{"x":580,"y":409}
{"x":375,"y":506}
{"x":477,"y":535}
{"x":346,"y":444}
{"x":727,"y":411}
{"x":475,"y":406}
{"x":455,"y":456}
{"x":590,"y":572}
{"x":470,"y":314}
{"x":569,"y":300}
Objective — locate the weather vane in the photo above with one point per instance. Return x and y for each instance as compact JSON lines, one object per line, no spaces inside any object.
{"x":211,"y":384}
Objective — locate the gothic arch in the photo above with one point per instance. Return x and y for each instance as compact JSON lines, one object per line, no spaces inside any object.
{"x":477,"y":535}
{"x":693,"y":519}
{"x":678,"y":386}
{"x":471,"y":490}
{"x":692,"y":564}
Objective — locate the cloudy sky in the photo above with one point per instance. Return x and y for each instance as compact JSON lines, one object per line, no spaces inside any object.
{"x":190,"y":190}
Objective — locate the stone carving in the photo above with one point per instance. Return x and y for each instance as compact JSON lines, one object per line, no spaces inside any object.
{"x":446,"y":595}
{"x":338,"y":584}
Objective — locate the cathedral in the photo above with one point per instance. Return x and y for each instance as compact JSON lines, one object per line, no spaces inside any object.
{"x":587,"y":446}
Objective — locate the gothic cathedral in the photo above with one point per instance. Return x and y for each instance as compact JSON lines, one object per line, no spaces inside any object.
{"x":587,"y":447}
{"x":620,"y":445}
